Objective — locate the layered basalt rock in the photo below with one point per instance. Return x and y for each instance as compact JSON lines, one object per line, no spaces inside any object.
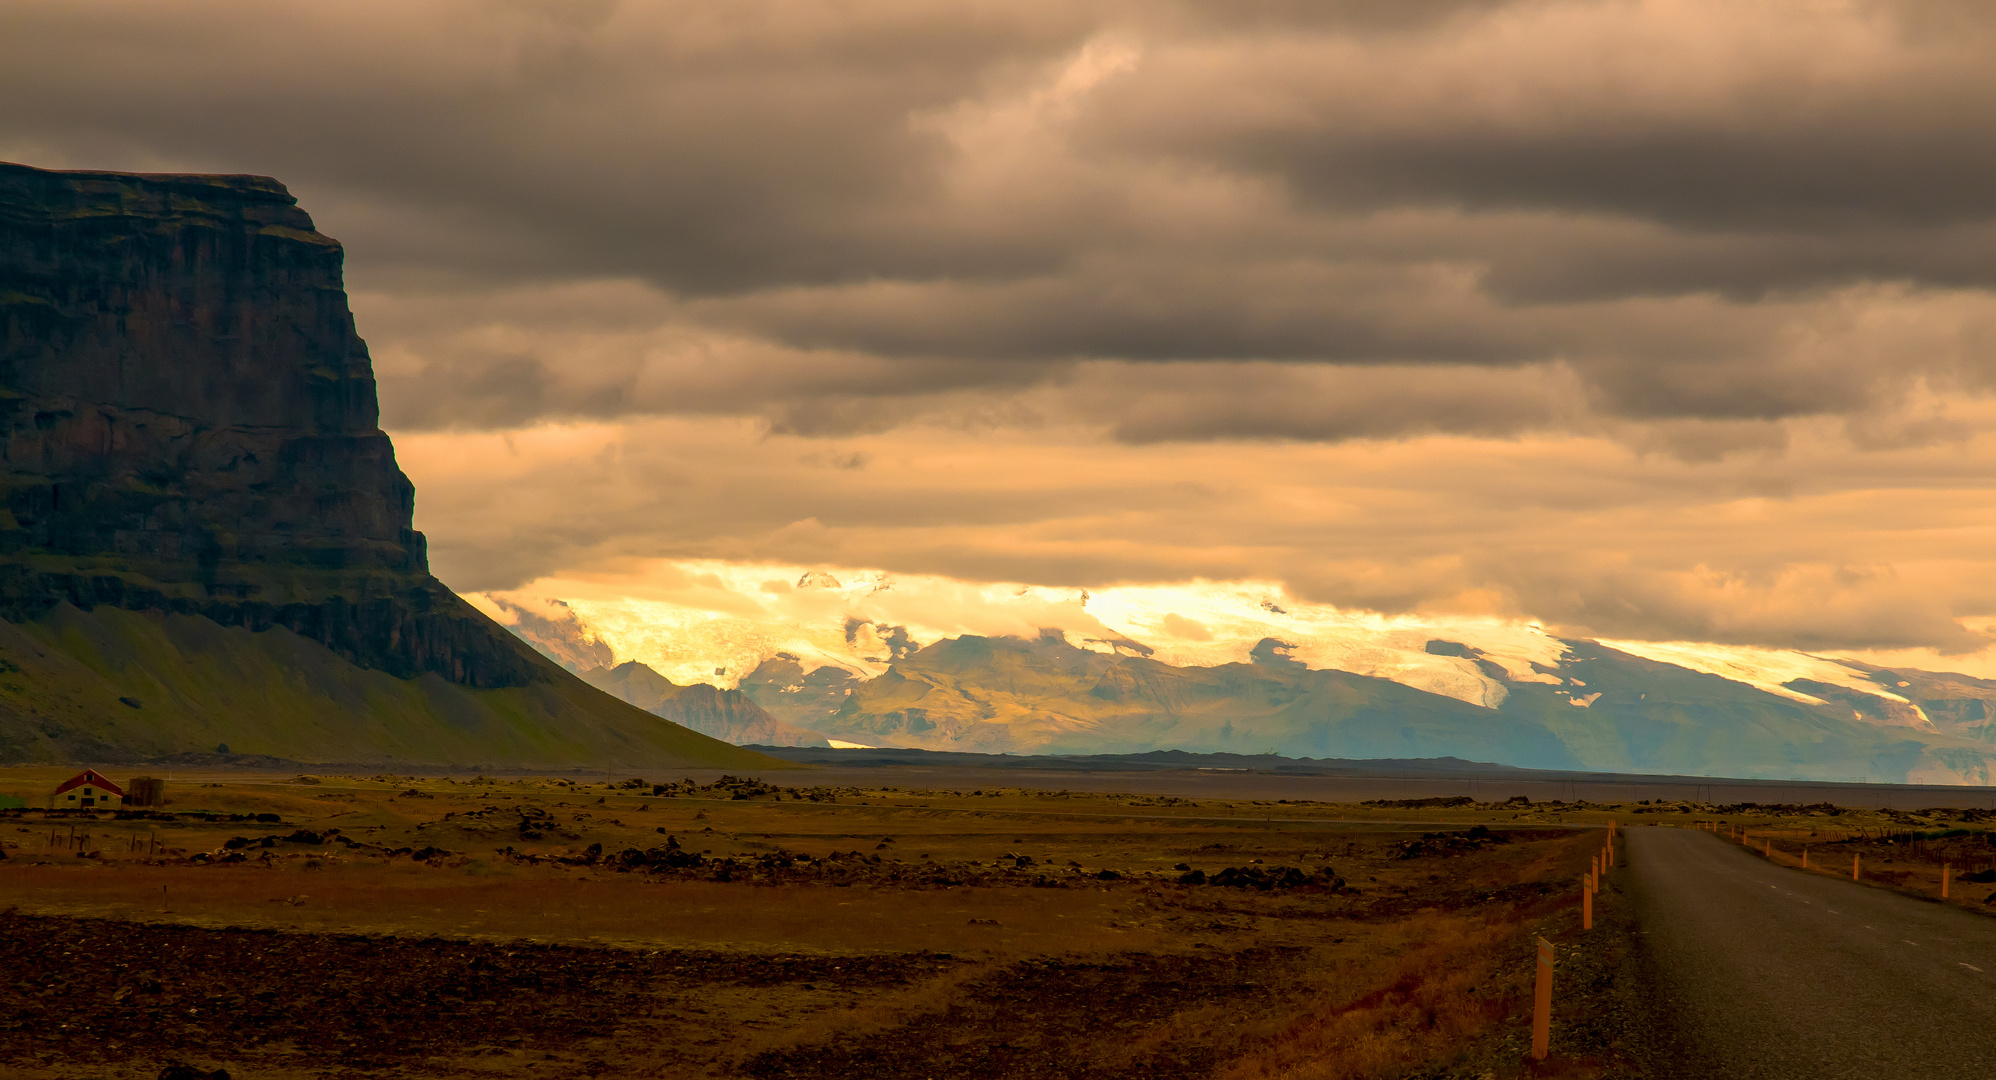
{"x":188,"y":423}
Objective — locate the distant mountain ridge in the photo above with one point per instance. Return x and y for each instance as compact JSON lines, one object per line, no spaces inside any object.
{"x":725,"y":714}
{"x":1598,"y":708}
{"x":205,"y":539}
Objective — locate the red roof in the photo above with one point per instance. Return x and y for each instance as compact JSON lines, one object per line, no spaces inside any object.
{"x":94,"y":779}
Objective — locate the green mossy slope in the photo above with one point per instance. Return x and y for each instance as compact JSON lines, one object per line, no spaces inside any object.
{"x":69,"y":681}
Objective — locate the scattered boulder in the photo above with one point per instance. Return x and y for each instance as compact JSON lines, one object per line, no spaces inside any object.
{"x":1452,"y":843}
{"x":1434,"y":803}
{"x":1263,"y":879}
{"x":179,"y":1071}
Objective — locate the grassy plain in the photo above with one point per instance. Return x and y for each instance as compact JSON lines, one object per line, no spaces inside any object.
{"x":286,"y":926}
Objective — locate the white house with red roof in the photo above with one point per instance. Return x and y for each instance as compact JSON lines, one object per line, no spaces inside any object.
{"x":87,"y":790}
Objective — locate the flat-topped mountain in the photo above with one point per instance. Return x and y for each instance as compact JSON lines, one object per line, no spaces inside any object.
{"x":191,"y":461}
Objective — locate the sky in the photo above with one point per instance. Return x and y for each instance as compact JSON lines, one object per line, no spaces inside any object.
{"x":1644,"y":320}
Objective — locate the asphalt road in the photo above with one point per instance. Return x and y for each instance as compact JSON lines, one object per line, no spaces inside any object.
{"x":1754,"y":970}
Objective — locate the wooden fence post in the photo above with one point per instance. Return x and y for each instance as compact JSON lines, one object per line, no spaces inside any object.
{"x":1542,"y":1003}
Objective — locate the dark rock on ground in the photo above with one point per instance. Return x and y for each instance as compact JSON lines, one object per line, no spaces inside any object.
{"x":177,"y":1071}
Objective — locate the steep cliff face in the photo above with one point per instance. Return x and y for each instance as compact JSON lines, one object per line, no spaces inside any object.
{"x":188,"y":423}
{"x":206,"y":547}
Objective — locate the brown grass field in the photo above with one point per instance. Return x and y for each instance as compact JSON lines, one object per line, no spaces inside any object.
{"x":468,"y":927}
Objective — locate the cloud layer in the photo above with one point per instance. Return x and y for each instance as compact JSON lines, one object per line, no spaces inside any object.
{"x":1663,"y":319}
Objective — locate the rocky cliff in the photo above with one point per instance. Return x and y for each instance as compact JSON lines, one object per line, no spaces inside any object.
{"x":204,"y":537}
{"x":188,"y":423}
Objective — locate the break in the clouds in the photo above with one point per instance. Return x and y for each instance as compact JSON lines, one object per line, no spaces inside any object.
{"x":1660,"y":319}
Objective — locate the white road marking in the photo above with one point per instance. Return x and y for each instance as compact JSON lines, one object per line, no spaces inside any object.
{"x":1914,"y":944}
{"x":1969,"y":966}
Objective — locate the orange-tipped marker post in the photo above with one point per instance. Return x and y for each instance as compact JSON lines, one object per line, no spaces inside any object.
{"x":1853,"y":867}
{"x":1542,"y":1003}
{"x":1586,"y":904}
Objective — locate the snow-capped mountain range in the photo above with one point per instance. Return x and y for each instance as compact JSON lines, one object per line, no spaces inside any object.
{"x":866,"y":658}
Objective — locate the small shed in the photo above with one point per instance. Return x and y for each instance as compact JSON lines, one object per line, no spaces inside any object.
{"x":86,"y":790}
{"x":145,"y":791}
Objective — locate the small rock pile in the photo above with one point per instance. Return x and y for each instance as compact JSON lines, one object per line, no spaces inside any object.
{"x":1453,"y":843}
{"x":1265,"y":879}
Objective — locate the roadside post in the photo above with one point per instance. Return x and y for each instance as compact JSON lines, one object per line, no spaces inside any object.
{"x":1945,"y":870}
{"x":1805,"y":856}
{"x":1542,"y":1003}
{"x":1853,"y":866}
{"x":1586,"y":903}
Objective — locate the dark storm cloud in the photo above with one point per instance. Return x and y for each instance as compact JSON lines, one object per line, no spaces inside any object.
{"x":1761,"y":117}
{"x":866,"y":212}
{"x":1284,"y":401}
{"x":703,"y":147}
